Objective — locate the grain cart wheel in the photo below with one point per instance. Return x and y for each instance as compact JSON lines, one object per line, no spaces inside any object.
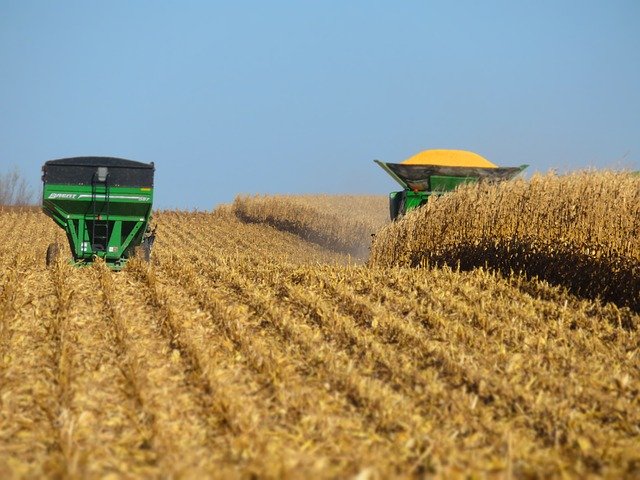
{"x":396,"y":205}
{"x":143,"y":251}
{"x":52,"y":253}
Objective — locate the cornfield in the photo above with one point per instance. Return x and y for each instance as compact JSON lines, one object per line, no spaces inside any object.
{"x":343,"y":223}
{"x":580,"y":230}
{"x":245,"y":351}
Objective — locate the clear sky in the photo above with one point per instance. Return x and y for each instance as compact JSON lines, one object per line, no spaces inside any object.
{"x":300,"y":96}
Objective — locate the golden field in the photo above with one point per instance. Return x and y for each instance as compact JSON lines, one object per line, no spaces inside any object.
{"x":246,"y":351}
{"x":341,"y":223}
{"x":580,"y":230}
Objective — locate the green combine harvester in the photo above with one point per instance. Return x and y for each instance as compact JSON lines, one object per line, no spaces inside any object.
{"x":435,"y":172}
{"x":104,"y":206}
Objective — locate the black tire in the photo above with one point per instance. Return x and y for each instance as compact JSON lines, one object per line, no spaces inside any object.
{"x":53,"y":250}
{"x":396,"y":205}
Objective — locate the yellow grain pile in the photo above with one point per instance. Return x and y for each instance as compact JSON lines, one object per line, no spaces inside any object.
{"x":449,"y":158}
{"x":581,"y":230}
{"x":341,"y":223}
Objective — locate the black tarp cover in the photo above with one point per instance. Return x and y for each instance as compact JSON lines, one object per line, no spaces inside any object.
{"x":83,"y":170}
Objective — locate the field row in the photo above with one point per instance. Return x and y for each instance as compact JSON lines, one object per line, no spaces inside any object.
{"x":241,"y":350}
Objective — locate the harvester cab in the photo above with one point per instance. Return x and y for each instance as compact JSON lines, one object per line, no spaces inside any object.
{"x":104,"y":206}
{"x":436,"y":172}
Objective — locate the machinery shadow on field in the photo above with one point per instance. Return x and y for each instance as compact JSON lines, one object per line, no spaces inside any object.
{"x":609,"y":278}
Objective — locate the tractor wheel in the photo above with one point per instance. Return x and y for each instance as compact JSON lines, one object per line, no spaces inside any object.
{"x":52,"y":253}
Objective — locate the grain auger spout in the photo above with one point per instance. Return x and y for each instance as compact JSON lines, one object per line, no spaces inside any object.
{"x":104,"y":206}
{"x":436,"y":172}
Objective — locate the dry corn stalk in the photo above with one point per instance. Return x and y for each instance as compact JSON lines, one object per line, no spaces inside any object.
{"x":245,"y":351}
{"x":580,"y":230}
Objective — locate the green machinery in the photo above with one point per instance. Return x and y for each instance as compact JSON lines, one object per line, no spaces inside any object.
{"x":104,"y":206}
{"x":419,"y":182}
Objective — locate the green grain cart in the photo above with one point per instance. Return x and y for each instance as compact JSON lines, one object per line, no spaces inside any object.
{"x":104,"y":206}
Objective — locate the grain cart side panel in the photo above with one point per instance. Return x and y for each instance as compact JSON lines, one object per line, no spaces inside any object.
{"x":102,"y":203}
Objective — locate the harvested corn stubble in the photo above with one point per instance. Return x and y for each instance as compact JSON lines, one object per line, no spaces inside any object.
{"x":245,"y":351}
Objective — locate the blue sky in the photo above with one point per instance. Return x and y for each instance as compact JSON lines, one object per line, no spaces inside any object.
{"x":301,"y":96}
